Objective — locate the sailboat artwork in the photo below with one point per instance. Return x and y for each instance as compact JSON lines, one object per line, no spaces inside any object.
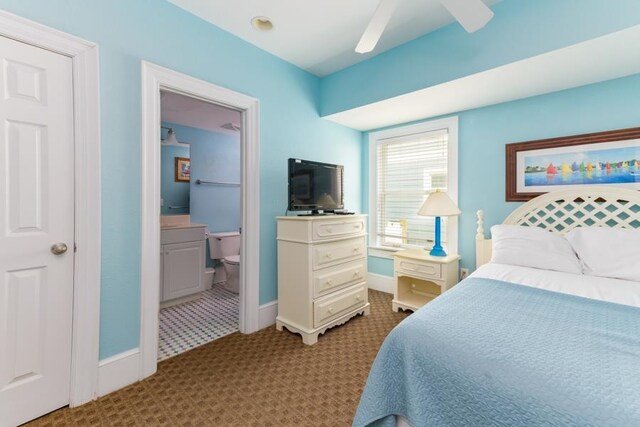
{"x":609,"y":163}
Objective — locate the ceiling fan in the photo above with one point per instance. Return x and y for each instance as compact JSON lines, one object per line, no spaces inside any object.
{"x":471,"y":14}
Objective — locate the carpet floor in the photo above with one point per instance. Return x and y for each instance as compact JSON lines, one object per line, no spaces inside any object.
{"x":268,"y":378}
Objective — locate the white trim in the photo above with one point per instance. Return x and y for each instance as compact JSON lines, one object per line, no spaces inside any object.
{"x":155,"y":78}
{"x":86,"y":116}
{"x":449,"y":123}
{"x":118,"y":371}
{"x":267,"y":315}
{"x":379,"y":282}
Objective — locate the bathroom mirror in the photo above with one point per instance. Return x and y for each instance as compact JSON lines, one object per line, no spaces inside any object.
{"x":175,"y":177}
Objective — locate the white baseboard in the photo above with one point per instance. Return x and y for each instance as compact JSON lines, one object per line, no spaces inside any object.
{"x":381,"y":283}
{"x":118,"y":371}
{"x":267,"y":314}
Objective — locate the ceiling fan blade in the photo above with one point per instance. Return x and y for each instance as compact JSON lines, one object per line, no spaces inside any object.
{"x":376,"y":26}
{"x":472,"y":14}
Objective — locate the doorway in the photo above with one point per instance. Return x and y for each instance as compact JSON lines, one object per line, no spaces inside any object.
{"x":157,"y":80}
{"x":199,"y":223}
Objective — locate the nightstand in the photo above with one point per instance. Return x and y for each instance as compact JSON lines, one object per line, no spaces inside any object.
{"x":420,"y":277}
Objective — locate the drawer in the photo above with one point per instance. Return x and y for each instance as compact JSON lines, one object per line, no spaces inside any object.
{"x":425,"y":270}
{"x":182,"y":235}
{"x":334,"y":229}
{"x":335,"y":305}
{"x":327,"y":254}
{"x":339,"y":276}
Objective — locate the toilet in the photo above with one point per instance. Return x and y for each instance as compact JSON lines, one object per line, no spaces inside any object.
{"x":225,"y":246}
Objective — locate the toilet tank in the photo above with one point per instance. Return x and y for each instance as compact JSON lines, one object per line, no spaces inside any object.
{"x":224,"y":244}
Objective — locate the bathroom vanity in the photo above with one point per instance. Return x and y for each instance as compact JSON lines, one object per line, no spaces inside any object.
{"x":182,"y":262}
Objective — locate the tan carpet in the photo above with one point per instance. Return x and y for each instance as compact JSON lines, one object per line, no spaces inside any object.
{"x":268,"y":378}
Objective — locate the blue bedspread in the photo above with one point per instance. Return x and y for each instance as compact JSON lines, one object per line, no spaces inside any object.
{"x":494,"y":353}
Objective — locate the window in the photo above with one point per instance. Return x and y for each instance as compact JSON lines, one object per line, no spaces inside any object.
{"x":406,"y":164}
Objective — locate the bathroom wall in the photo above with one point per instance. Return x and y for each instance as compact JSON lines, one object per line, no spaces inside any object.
{"x":173,"y":193}
{"x":215,"y":156}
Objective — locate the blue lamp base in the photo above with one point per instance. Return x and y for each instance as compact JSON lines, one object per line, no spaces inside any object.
{"x":437,"y":249}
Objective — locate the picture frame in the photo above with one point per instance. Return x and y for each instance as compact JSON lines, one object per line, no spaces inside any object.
{"x":602,"y":158}
{"x":183,"y":169}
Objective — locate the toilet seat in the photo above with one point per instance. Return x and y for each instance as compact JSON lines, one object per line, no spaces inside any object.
{"x":232,"y":259}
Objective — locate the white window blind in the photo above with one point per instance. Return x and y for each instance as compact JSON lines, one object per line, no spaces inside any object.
{"x":408,"y":168}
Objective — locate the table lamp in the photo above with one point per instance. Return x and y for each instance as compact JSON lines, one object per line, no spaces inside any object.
{"x":438,"y":204}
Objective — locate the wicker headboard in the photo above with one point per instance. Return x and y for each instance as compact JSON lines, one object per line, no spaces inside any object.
{"x":562,"y":210}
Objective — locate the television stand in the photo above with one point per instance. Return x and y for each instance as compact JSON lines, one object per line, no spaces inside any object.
{"x":322,"y":273}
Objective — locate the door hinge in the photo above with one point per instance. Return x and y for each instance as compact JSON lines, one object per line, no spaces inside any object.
{"x":75,"y":247}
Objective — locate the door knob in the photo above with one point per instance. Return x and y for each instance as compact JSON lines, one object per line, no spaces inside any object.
{"x":58,"y":248}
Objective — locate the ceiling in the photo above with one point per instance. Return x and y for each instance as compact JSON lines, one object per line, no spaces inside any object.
{"x":320,"y":36}
{"x":603,"y":58}
{"x":192,"y":112}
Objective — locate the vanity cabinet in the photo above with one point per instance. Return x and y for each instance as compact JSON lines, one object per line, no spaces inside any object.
{"x":182,"y":264}
{"x":322,"y":272}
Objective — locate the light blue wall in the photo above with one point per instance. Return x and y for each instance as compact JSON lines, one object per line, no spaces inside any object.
{"x":172,"y":192}
{"x":484,"y":132}
{"x":215,"y":156}
{"x":155,"y":30}
{"x":520,"y":29}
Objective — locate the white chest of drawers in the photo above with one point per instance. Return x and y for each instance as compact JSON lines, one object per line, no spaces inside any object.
{"x":322,"y":270}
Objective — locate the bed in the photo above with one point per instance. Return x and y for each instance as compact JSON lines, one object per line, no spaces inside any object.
{"x":520,"y":346}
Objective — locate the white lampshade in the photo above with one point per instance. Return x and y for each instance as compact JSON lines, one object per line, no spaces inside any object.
{"x":438,"y":204}
{"x":171,"y":137}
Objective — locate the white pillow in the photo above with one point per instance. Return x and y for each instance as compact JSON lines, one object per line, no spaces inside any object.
{"x":533,"y":247}
{"x":607,"y":252}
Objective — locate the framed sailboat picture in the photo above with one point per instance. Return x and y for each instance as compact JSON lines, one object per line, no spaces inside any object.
{"x":603,"y":158}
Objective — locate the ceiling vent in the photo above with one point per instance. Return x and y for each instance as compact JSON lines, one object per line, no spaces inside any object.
{"x":231,"y":126}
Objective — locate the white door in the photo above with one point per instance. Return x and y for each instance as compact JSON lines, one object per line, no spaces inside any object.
{"x":36,"y":213}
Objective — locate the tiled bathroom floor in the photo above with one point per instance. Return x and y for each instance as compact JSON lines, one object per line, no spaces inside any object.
{"x":192,"y":324}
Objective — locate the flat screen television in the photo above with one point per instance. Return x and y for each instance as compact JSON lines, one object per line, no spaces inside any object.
{"x":315,"y":186}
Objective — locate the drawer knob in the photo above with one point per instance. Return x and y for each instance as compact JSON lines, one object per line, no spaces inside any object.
{"x":356,"y":274}
{"x":328,"y":229}
{"x":358,"y":298}
{"x":330,"y":309}
{"x":356,"y":250}
{"x":329,"y":256}
{"x":356,"y":225}
{"x":329,"y":282}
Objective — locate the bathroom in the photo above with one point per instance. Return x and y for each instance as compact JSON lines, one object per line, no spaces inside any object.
{"x":200,"y":223}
